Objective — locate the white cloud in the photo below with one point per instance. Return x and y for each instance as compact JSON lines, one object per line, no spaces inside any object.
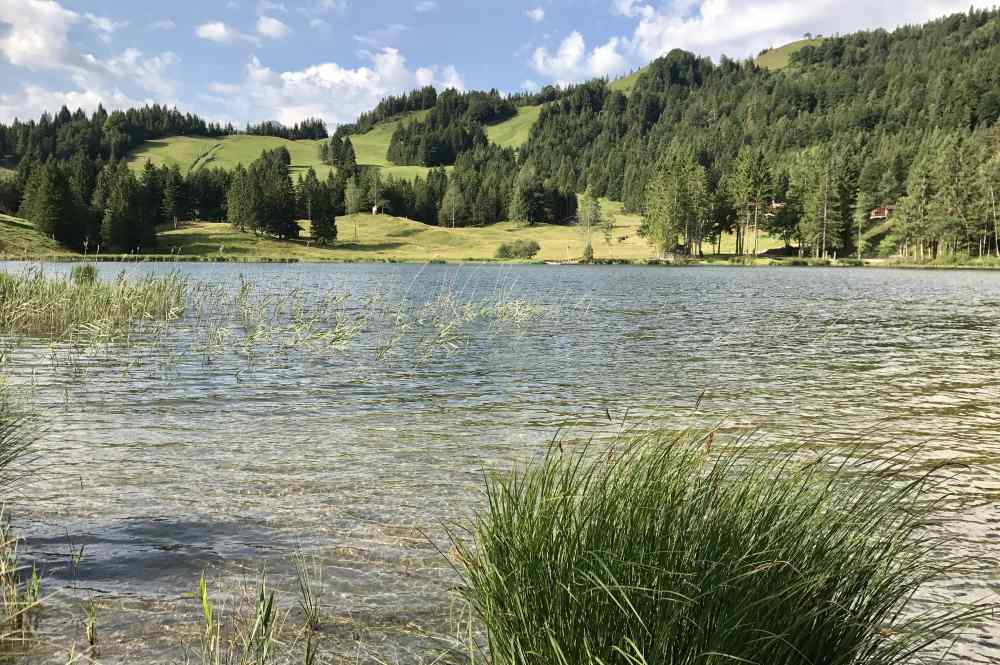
{"x":105,"y":26}
{"x":743,"y":28}
{"x":38,"y":35}
{"x":571,"y":61}
{"x":328,"y":91}
{"x":272,"y":28}
{"x":165,"y":24}
{"x":319,"y":24}
{"x":737,"y":28}
{"x":537,"y":14}
{"x":150,"y":73}
{"x":37,"y":38}
{"x":217,"y":31}
{"x":425,"y":6}
{"x":32,"y":100}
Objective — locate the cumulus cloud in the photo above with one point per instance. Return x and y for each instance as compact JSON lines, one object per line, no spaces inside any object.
{"x":572,"y":62}
{"x":425,"y":6}
{"x":742,"y":28}
{"x":32,"y":100}
{"x":328,"y":91}
{"x":272,"y":28}
{"x":537,"y":14}
{"x":737,"y":28}
{"x":165,"y":24}
{"x":37,"y":38}
{"x":220,"y":32}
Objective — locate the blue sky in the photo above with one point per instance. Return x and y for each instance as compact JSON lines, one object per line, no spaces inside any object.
{"x":252,"y":60}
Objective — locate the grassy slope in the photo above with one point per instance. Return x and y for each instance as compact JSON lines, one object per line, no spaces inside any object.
{"x":194,"y":152}
{"x":191,"y":152}
{"x":19,"y":238}
{"x":385,"y":237}
{"x":626,"y":84}
{"x":514,"y":133}
{"x":778,"y":58}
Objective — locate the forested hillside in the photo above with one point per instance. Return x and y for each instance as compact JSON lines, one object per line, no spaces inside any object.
{"x":903,"y":120}
{"x":873,"y":142}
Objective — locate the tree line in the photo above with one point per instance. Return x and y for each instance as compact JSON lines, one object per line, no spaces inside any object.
{"x":878,"y":120}
{"x":109,"y":208}
{"x":310,"y":129}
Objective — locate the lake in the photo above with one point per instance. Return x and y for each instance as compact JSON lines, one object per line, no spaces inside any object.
{"x":164,"y":460}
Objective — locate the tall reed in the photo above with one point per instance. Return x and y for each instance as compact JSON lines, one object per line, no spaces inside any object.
{"x":662,"y":550}
{"x":33,"y":304}
{"x":19,"y":584}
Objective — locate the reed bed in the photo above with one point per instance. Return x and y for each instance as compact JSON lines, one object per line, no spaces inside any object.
{"x":19,"y":585}
{"x":660,"y":549}
{"x":80,"y":305}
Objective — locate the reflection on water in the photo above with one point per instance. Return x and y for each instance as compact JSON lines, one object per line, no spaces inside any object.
{"x":160,"y":469}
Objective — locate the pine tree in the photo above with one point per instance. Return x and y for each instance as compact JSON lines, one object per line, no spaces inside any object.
{"x":324,"y":219}
{"x":51,"y":206}
{"x":119,"y":230}
{"x":173,"y":196}
{"x":750,"y":183}
{"x":677,"y":204}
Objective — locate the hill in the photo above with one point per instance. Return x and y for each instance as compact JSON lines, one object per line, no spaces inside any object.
{"x":191,"y":153}
{"x":626,"y":84}
{"x":195,"y":152}
{"x":19,"y":238}
{"x":513,"y":133}
{"x":778,"y":58}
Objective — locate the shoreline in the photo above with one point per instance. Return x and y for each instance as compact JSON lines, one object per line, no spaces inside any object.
{"x":745,"y":262}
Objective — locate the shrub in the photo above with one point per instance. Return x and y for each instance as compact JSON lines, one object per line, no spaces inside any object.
{"x":588,"y":253}
{"x":518,"y":249}
{"x":660,"y":550}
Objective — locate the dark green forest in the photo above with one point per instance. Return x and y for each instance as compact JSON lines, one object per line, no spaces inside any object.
{"x":904,"y":120}
{"x":872,"y":143}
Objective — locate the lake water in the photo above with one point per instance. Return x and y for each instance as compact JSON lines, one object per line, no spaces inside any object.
{"x":164,"y":464}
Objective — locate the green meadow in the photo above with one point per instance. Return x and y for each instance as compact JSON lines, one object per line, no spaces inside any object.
{"x":778,"y":58}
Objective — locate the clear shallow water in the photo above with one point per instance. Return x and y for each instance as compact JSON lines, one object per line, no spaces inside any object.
{"x":163,"y":469}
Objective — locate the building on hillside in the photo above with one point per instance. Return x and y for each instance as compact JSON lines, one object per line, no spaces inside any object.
{"x":882,"y":213}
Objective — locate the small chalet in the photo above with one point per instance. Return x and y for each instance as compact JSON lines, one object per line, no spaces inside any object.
{"x":882,"y":213}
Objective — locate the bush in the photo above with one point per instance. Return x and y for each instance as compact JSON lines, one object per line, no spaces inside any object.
{"x":588,"y":253}
{"x":660,"y":550}
{"x":518,"y":249}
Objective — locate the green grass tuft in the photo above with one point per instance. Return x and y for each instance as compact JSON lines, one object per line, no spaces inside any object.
{"x":663,"y":550}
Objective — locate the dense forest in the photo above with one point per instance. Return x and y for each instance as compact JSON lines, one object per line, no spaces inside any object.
{"x":310,"y":129}
{"x":453,"y":126}
{"x":876,"y":136}
{"x":875,"y":142}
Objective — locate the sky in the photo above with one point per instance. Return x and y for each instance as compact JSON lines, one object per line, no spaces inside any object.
{"x":252,"y":60}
